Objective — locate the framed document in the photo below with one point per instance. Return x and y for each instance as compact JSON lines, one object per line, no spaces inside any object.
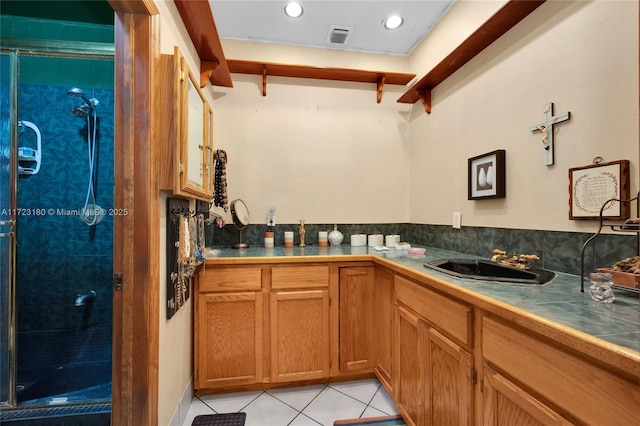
{"x":592,"y":186}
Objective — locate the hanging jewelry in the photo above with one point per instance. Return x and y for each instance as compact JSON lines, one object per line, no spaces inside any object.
{"x":220,"y":180}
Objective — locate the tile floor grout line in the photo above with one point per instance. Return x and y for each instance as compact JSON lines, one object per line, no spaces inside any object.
{"x":355,"y":399}
{"x":207,"y":405}
{"x":303,"y":408}
{"x":252,"y":401}
{"x":371,"y":400}
{"x":374,"y":395}
{"x":300,"y":413}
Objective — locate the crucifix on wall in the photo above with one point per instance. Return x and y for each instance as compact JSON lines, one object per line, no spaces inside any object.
{"x":545,"y":126}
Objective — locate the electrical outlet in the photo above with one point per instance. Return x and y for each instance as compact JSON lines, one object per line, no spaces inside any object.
{"x":271,"y":216}
{"x":457,"y":220}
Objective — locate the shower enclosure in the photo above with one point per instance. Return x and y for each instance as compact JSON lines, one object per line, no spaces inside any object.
{"x":56,"y":228}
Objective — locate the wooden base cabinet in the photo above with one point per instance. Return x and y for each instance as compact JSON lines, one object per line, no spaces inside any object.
{"x":228,"y":339}
{"x":356,"y":299}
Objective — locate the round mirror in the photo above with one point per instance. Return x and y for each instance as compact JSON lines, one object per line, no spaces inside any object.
{"x":240,"y":217}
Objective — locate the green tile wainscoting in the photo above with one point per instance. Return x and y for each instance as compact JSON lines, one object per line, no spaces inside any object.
{"x":559,"y":251}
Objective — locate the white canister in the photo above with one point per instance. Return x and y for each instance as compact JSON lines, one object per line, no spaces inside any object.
{"x":268,"y":242}
{"x":358,"y":240}
{"x":376,"y":240}
{"x":288,"y":238}
{"x":323,"y":238}
{"x":391,"y":240}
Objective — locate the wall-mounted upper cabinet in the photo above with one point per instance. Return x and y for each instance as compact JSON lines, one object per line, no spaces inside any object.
{"x":185,"y":123}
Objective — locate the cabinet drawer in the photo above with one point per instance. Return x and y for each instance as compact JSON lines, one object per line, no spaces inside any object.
{"x":300,"y":276}
{"x":230,"y":279}
{"x":450,"y":317}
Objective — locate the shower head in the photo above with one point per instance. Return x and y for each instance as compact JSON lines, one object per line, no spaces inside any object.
{"x":84,"y":109}
{"x":81,"y":111}
{"x":74,"y":91}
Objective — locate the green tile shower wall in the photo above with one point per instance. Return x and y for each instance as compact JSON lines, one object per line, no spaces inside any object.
{"x":59,"y":256}
{"x":560,"y":251}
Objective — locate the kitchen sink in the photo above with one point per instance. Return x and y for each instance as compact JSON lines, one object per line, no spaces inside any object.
{"x":487,"y":270}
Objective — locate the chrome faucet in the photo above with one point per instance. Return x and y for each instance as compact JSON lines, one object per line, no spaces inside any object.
{"x":85,"y":298}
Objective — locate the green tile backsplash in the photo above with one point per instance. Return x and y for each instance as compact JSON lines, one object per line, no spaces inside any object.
{"x":559,"y":251}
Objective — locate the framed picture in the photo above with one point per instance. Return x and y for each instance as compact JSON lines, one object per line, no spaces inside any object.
{"x":592,"y":186}
{"x":487,"y":176}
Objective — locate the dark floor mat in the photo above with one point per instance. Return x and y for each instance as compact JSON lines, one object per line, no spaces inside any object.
{"x":231,"y":419}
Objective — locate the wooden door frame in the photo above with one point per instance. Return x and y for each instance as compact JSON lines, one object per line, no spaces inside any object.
{"x":136,"y":252}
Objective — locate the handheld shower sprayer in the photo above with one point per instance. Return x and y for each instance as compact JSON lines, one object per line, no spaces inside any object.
{"x":74,"y":91}
{"x":84,"y":109}
{"x":91,"y":213}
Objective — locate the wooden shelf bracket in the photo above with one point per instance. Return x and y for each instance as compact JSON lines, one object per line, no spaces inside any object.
{"x":381,"y":80}
{"x":425,"y":97}
{"x":206,"y":70}
{"x":264,"y":80}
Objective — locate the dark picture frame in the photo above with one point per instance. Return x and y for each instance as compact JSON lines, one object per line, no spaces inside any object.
{"x":593,"y":185}
{"x":486,"y":174}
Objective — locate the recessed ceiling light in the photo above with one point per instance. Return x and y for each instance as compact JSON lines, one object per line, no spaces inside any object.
{"x":393,"y":22}
{"x":293,"y":9}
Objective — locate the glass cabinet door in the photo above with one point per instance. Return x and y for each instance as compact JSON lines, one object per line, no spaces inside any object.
{"x":194,"y":136}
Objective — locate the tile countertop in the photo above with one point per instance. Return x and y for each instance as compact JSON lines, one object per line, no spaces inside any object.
{"x":560,"y":300}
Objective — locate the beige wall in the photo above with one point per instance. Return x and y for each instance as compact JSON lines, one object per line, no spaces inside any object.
{"x":583,"y":57}
{"x":326,"y":152}
{"x":317,"y":150}
{"x":175,"y":340}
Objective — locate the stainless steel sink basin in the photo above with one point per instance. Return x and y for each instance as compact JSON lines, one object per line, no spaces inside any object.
{"x":490,"y":271}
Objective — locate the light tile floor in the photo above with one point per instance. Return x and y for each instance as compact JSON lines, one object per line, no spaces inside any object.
{"x":302,"y":406}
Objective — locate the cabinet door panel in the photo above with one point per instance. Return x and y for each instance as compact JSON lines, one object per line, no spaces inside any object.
{"x":229,"y":340}
{"x":449,"y":390}
{"x":407,"y":373}
{"x":383,"y":325}
{"x":356,"y":318}
{"x":299,"y":335}
{"x":505,"y":404}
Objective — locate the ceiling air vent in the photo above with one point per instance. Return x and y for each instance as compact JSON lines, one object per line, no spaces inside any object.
{"x":339,"y":35}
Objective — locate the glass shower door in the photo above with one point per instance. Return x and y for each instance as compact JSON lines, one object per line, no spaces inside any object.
{"x":8,"y":100}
